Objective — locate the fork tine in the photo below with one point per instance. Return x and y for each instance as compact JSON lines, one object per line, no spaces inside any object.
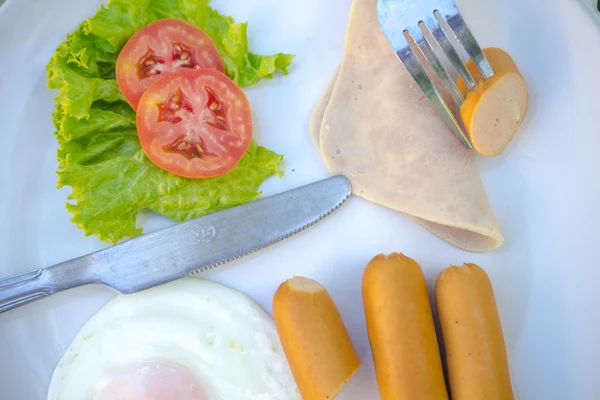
{"x":418,"y":73}
{"x":427,"y":49}
{"x":466,"y":38}
{"x":438,"y":33}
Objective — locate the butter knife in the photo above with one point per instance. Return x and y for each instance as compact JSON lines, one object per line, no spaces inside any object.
{"x":186,"y":248}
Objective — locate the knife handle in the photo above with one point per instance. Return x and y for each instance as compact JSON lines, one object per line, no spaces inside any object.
{"x":21,"y":289}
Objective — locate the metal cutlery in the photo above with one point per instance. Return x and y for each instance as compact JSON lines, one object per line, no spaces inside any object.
{"x":186,"y":248}
{"x":429,"y":24}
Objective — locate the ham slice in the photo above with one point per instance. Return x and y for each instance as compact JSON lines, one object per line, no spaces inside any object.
{"x":374,"y":125}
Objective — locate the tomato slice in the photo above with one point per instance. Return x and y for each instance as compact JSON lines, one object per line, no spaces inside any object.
{"x":194,"y":123}
{"x":164,"y":46}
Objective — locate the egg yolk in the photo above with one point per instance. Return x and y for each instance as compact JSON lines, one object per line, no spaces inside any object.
{"x":156,"y":380}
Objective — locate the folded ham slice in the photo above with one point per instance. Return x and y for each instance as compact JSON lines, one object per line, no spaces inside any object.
{"x":374,"y":125}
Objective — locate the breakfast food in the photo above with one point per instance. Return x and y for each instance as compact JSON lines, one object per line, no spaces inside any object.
{"x":191,"y":339}
{"x":315,"y":340}
{"x":316,"y":117}
{"x":194,"y":123}
{"x":493,"y":111}
{"x":401,"y":330}
{"x":380,"y":131}
{"x":473,"y":340}
{"x":99,"y":153}
{"x":164,"y":46}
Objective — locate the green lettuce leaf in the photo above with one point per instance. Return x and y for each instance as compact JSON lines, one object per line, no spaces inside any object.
{"x":109,"y":195}
{"x":115,"y":25}
{"x":100,"y":156}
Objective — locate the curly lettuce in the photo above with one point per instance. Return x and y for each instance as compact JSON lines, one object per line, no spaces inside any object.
{"x":100,"y":156}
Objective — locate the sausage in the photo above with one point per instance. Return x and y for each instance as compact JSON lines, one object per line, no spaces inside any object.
{"x":401,"y":330}
{"x":314,"y":338}
{"x":493,"y":111}
{"x":473,"y":339}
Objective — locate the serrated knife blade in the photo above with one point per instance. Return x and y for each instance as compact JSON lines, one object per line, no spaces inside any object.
{"x":186,"y":248}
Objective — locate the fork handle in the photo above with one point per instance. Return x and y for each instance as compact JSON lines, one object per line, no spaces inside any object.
{"x":21,"y":289}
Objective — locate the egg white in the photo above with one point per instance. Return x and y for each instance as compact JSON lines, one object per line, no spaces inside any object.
{"x":219,"y":334}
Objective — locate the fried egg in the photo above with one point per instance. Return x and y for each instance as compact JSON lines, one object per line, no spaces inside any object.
{"x":191,"y":339}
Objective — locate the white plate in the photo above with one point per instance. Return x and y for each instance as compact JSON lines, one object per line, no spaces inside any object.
{"x":592,"y":6}
{"x":545,"y":190}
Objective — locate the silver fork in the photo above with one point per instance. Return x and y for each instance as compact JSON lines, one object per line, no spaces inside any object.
{"x":406,"y":20}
